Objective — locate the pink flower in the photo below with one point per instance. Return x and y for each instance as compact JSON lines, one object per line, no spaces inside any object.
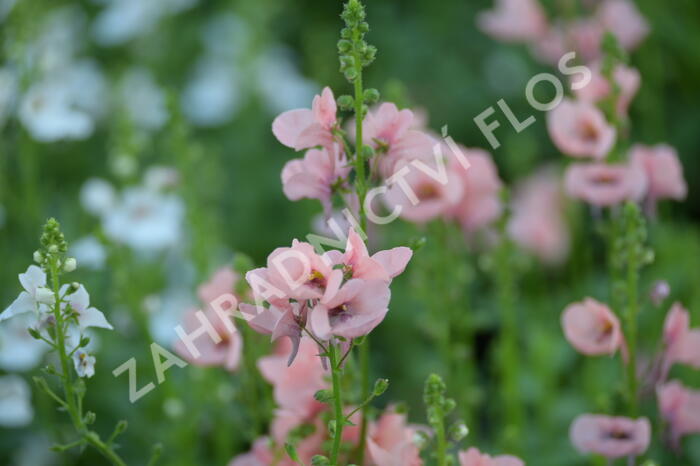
{"x":315,"y":176}
{"x":304,"y":128}
{"x":612,"y":437}
{"x":480,"y":204}
{"x":474,"y":457}
{"x":391,"y":442}
{"x":682,"y":343}
{"x":295,"y":385}
{"x":538,"y":223}
{"x":626,"y":78}
{"x":579,"y":129}
{"x":663,"y":169}
{"x":384,"y":265}
{"x":604,"y":185}
{"x":551,"y":46}
{"x":425,"y":196}
{"x":622,"y":18}
{"x":351,"y":309}
{"x":390,"y":132}
{"x":592,"y":328}
{"x":221,"y":283}
{"x":260,"y":455}
{"x":514,"y":20}
{"x":225,"y":352}
{"x":680,"y":408}
{"x":286,"y":319}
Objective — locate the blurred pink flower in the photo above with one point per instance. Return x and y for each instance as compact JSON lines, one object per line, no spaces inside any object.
{"x":592,"y":328}
{"x":474,"y":457}
{"x":391,"y":442}
{"x":682,"y":343}
{"x":612,"y":437}
{"x":604,"y":185}
{"x":480,"y":204}
{"x":314,"y":176}
{"x":623,"y":19}
{"x":537,"y":223}
{"x":226,"y":352}
{"x":514,"y":20}
{"x":221,"y":283}
{"x":663,"y":170}
{"x":626,"y":78}
{"x":680,"y":408}
{"x":585,"y":36}
{"x":294,"y":386}
{"x":306,"y":128}
{"x":425,"y":197}
{"x":391,"y":133}
{"x":579,"y":129}
{"x":351,"y":309}
{"x":660,"y":290}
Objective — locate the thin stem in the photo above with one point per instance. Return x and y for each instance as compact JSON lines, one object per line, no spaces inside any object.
{"x":360,"y":177}
{"x":441,"y":438}
{"x":631,"y":325}
{"x":338,"y":404}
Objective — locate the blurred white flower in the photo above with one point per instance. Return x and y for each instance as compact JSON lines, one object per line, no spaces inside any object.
{"x":34,"y":296}
{"x":15,"y":402}
{"x":65,"y":103}
{"x":280,"y":83}
{"x":226,"y":37}
{"x":161,"y":177}
{"x":97,"y":196}
{"x":87,"y":316}
{"x":166,"y":312}
{"x":145,"y":220}
{"x":19,"y":351}
{"x":213,"y":95}
{"x":89,"y":252}
{"x":84,"y":363}
{"x":61,"y":38}
{"x":5,"y":7}
{"x":144,"y":101}
{"x":123,"y":20}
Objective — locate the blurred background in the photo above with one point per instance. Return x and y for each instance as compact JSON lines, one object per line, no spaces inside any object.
{"x":144,"y":128}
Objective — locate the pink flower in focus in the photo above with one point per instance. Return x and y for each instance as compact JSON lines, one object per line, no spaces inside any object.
{"x":314,"y":176}
{"x":480,"y":204}
{"x":304,"y":128}
{"x":680,"y":408}
{"x":592,"y":328}
{"x":538,"y":223}
{"x":390,"y":132}
{"x":663,"y":169}
{"x":225,"y":352}
{"x":384,"y":265}
{"x":579,"y":129}
{"x":474,"y":457}
{"x":350,"y":310}
{"x":426,"y":196}
{"x":612,"y":437}
{"x":514,"y":20}
{"x":286,"y":319}
{"x":391,"y":442}
{"x":622,"y":18}
{"x":682,"y":343}
{"x":626,"y":78}
{"x":604,"y":185}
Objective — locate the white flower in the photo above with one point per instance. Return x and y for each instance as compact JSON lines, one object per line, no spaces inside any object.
{"x":144,"y":101}
{"x":280,"y":83}
{"x":145,"y":220}
{"x":70,"y":264}
{"x":34,"y":295}
{"x":89,"y":252}
{"x":97,"y":196}
{"x":213,"y":95}
{"x":84,"y":363}
{"x":19,"y":351}
{"x":160,"y":177}
{"x":15,"y":402}
{"x":87,"y":316}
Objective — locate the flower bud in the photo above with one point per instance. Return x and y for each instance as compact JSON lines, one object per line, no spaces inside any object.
{"x":380,"y":386}
{"x":38,"y":257}
{"x":70,"y":265}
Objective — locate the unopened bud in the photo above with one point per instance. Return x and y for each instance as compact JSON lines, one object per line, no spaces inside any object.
{"x":38,"y":257}
{"x":70,"y":265}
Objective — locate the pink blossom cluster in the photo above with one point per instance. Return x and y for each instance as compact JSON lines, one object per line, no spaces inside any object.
{"x":593,"y":329}
{"x":334,"y":295}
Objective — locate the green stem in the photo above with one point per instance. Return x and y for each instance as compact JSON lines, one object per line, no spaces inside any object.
{"x":338,"y":403}
{"x":74,"y":406}
{"x":441,"y":438}
{"x":631,"y":325}
{"x":360,"y":178}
